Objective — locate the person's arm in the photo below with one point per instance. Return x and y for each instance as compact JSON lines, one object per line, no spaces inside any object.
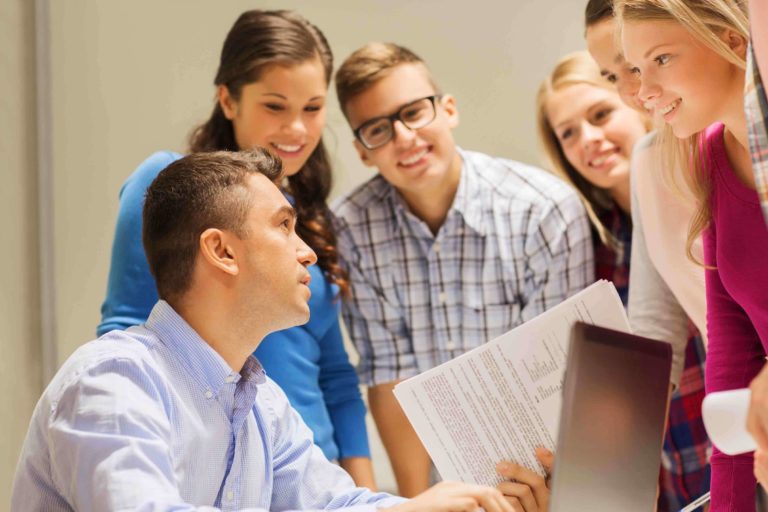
{"x":131,"y":290}
{"x":757,"y":424}
{"x":734,"y":357}
{"x":758,"y":16}
{"x":300,"y":464}
{"x":361,"y":471}
{"x":410,"y":462}
{"x":341,"y":393}
{"x":654,"y":311}
{"x":109,"y":437}
{"x":560,"y":255}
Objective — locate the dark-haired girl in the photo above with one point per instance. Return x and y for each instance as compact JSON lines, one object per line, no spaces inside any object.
{"x":272,"y":84}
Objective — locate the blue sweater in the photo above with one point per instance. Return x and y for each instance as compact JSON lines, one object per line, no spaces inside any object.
{"x":309,"y":362}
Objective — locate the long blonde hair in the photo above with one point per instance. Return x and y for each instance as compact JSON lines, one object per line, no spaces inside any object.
{"x":705,"y":20}
{"x":572,"y":69}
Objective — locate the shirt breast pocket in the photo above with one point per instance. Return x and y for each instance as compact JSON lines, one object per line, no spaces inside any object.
{"x":484,"y":323}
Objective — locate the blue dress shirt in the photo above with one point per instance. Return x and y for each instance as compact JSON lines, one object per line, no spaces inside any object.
{"x":152,"y":418}
{"x":308,"y":362}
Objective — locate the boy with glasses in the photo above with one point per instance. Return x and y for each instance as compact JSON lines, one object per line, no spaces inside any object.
{"x":446,"y":248}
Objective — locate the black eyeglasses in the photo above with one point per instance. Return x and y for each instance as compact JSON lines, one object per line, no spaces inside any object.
{"x":414,"y":115}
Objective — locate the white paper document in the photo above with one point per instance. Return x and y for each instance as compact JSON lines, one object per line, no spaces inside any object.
{"x":502,"y":399}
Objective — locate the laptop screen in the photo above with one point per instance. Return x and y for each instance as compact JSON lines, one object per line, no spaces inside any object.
{"x":612,"y":422}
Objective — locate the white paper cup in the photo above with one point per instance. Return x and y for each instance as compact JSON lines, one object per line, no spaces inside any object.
{"x":725,"y":418}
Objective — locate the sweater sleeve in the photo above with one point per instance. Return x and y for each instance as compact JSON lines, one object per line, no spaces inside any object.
{"x":341,"y":392}
{"x":654,"y":311}
{"x":131,"y":290}
{"x":734,"y":357}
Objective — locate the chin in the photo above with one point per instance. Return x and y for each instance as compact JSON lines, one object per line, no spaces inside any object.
{"x":683,"y":133}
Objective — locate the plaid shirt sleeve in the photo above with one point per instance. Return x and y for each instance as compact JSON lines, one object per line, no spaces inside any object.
{"x":560,"y":252}
{"x":376,"y":327}
{"x":756,"y":110}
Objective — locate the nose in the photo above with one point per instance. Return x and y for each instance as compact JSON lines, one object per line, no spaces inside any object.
{"x":628,"y":85}
{"x":402,"y":134}
{"x":304,"y":253}
{"x":295,"y":125}
{"x":590,"y":134}
{"x":647,"y":89}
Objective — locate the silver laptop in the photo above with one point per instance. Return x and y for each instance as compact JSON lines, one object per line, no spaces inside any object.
{"x":612,"y":422}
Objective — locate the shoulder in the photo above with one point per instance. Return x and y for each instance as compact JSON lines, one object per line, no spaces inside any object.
{"x":148,"y":170}
{"x":521,"y":186}
{"x":118,"y":356}
{"x":369,"y":204}
{"x":365,"y":199}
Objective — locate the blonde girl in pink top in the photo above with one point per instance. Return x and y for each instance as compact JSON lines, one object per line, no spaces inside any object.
{"x":690,"y":58}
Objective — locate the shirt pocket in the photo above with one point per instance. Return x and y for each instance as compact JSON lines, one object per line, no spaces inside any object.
{"x":480,"y":324}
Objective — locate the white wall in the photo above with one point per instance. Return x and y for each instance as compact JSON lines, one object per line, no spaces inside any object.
{"x":129,"y":78}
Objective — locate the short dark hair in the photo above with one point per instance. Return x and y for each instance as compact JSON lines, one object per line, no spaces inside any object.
{"x":195,"y":193}
{"x":597,"y":11}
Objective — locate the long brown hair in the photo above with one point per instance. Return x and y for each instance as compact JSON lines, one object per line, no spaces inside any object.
{"x":597,"y":11}
{"x":259,"y":39}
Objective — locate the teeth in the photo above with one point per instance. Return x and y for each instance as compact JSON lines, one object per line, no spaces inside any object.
{"x":286,"y":148}
{"x":415,"y":158}
{"x":669,"y":108}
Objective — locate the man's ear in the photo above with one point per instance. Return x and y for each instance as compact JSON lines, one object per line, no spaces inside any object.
{"x":217,"y":250}
{"x":451,"y":111}
{"x":227,"y":103}
{"x":363,"y":153}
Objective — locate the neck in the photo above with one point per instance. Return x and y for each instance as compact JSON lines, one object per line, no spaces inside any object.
{"x":622,"y":196}
{"x":234,"y":337}
{"x":431,"y":205}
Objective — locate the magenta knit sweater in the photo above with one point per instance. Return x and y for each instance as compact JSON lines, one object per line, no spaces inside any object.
{"x":736,"y":244}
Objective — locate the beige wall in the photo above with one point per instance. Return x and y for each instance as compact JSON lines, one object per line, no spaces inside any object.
{"x":129,"y":78}
{"x":20,"y":371}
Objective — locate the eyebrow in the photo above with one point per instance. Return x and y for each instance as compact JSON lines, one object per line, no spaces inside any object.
{"x":283,"y":97}
{"x":654,"y":48}
{"x":286,"y":210}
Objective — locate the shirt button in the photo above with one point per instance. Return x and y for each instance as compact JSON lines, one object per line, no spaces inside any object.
{"x":436,"y":247}
{"x":441,"y":297}
{"x":450,"y":345}
{"x":208,"y":394}
{"x":230,"y":495}
{"x":229,"y":379}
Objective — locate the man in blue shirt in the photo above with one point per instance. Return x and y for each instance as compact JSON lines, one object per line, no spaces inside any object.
{"x":176,"y":414}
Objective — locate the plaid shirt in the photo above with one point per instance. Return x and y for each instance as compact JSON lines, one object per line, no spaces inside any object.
{"x":685,"y":473}
{"x":756,"y":109}
{"x":515,"y":242}
{"x":613,"y":264}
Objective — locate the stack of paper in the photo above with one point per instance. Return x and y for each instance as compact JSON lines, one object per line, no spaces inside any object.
{"x":502,"y":400}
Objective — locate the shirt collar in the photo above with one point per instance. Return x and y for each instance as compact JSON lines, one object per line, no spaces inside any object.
{"x":467,"y":203}
{"x":204,"y":364}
